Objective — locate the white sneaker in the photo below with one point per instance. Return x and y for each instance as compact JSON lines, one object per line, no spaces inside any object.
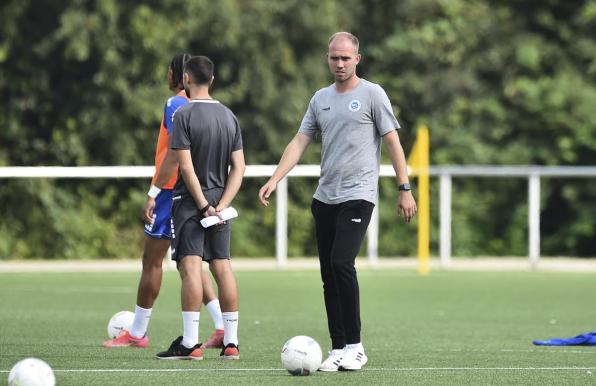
{"x":354,"y":358}
{"x":333,"y":361}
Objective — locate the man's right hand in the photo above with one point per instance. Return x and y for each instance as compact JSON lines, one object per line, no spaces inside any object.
{"x":211,"y":211}
{"x":148,"y":210}
{"x":266,"y":191}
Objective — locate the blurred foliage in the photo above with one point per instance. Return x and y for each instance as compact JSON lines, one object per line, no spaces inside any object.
{"x":498,"y":82}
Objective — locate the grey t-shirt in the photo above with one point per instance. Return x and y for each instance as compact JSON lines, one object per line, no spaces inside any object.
{"x":211,"y":131}
{"x":350,"y":125}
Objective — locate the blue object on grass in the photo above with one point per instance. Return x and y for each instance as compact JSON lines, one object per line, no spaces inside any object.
{"x":588,"y":339}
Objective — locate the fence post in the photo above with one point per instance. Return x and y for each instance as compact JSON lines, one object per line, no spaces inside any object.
{"x":534,"y":219}
{"x":281,"y":222}
{"x":445,"y":219}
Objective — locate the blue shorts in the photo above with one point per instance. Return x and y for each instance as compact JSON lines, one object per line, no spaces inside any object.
{"x":162,"y":225}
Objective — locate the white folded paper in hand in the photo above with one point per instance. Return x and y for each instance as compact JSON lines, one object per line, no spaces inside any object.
{"x":226,"y":214}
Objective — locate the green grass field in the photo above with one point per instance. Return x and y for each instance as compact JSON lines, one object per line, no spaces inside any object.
{"x":448,"y":328}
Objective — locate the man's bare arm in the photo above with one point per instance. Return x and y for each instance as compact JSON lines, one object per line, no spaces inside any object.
{"x":289,"y":159}
{"x":166,"y":170}
{"x":191,"y":180}
{"x":406,"y":205}
{"x":234,"y":181}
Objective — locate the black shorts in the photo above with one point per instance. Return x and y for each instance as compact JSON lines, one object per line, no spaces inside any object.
{"x":191,"y":239}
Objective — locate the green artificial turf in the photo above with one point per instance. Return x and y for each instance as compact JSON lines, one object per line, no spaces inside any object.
{"x":460,"y":328}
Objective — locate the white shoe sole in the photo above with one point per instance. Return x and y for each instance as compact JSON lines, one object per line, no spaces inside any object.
{"x":181,"y":358}
{"x":329,"y":370}
{"x":353,"y":368}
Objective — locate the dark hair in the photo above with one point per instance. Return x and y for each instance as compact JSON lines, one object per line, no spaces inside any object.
{"x":177,"y":67}
{"x":200,"y":69}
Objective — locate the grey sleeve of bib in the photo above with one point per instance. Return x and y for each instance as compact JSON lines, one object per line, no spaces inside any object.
{"x":180,"y":133}
{"x":382,"y":111}
{"x":309,"y":125}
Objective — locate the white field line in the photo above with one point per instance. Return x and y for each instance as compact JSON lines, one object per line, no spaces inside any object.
{"x":546,"y":350}
{"x":402,"y":369}
{"x":485,"y":369}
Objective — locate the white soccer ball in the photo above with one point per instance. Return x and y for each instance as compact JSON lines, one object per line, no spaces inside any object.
{"x":120,"y":321}
{"x":31,"y":372}
{"x":301,"y":355}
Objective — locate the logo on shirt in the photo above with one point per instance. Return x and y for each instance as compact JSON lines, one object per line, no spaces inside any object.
{"x":326,"y":108}
{"x":356,"y":220}
{"x":355,"y":105}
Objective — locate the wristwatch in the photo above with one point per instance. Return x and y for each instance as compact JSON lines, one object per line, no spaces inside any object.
{"x":404,"y":187}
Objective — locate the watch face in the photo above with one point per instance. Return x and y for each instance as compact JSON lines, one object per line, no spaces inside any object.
{"x":404,"y":187}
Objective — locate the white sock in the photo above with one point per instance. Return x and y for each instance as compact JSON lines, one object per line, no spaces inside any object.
{"x":139,"y":326}
{"x":215,"y":312}
{"x":190,"y":321}
{"x":230,"y":322}
{"x":355,"y":346}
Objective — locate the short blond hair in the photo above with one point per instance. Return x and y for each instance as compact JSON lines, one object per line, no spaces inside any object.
{"x":345,"y":35}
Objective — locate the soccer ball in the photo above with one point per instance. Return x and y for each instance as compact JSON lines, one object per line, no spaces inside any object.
{"x":31,"y":372}
{"x":120,"y":321}
{"x":301,"y":355}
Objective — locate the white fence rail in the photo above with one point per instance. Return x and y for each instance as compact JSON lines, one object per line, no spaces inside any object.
{"x":532,"y":173}
{"x":445,"y":173}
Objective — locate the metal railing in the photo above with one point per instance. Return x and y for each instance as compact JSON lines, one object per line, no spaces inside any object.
{"x":445,"y":173}
{"x":532,"y":173}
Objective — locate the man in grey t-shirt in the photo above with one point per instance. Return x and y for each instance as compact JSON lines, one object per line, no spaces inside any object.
{"x":351,"y":116}
{"x":206,"y":140}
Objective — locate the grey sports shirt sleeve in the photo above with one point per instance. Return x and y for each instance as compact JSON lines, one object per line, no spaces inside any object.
{"x":237,"y":143}
{"x":309,"y":125}
{"x":382,"y":112}
{"x":180,"y":134}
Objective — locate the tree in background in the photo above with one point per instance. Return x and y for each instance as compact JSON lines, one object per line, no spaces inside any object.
{"x":497,"y":82}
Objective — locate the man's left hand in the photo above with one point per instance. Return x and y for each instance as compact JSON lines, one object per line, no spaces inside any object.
{"x":148,"y":210}
{"x":406,"y":205}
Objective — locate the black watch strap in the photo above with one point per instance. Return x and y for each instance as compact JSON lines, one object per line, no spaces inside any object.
{"x":404,"y":187}
{"x":203,"y":210}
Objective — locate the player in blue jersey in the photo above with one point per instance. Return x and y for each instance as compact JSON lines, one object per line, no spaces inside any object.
{"x":157,"y":215}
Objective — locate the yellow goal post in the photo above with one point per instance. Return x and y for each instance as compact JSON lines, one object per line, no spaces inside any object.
{"x":418,"y":165}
